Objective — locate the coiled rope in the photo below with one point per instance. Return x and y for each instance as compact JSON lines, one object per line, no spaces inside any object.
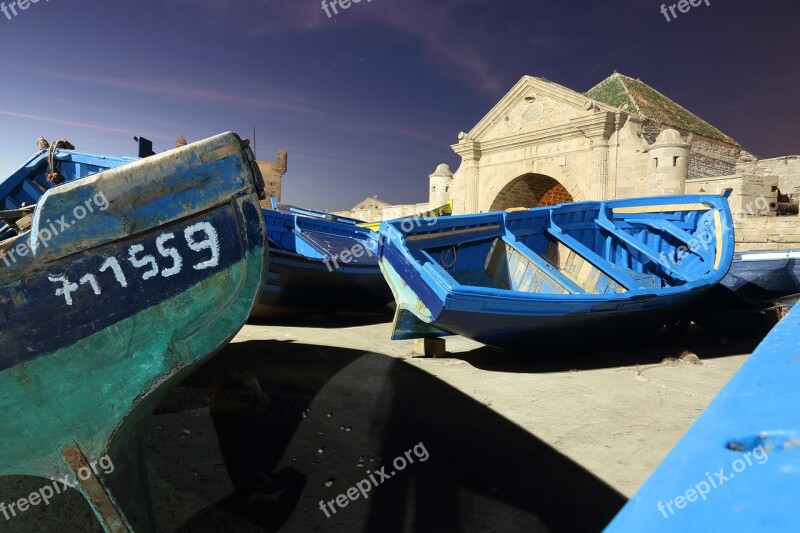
{"x":54,"y":176}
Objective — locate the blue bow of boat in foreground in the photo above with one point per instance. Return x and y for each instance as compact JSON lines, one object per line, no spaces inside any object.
{"x":738,"y":466}
{"x":123,"y":283}
{"x":572,"y":273}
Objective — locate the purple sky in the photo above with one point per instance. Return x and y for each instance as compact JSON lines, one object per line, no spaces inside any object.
{"x":369,"y":101}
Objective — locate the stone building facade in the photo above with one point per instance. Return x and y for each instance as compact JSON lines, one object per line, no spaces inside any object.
{"x":543,"y":144}
{"x":372,"y":210}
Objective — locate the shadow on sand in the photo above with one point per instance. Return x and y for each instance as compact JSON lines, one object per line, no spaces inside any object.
{"x":651,"y":350}
{"x":482,"y":467}
{"x":328,"y":320}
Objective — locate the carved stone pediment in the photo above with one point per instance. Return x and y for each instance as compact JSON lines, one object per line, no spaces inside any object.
{"x":532,"y":104}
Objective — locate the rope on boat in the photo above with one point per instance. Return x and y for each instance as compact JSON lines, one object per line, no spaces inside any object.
{"x":448,"y":266}
{"x":54,"y":176}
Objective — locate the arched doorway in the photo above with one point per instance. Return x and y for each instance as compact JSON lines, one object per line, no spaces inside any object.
{"x":531,"y":190}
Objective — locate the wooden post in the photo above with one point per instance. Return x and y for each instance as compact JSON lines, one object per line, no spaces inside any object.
{"x":430,"y":347}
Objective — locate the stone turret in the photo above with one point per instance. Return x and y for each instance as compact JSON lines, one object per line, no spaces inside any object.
{"x":441,"y":180}
{"x":282,"y":161}
{"x":273,"y":172}
{"x":668,"y":166}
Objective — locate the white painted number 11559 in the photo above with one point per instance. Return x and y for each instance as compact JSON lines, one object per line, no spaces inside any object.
{"x":199,"y":237}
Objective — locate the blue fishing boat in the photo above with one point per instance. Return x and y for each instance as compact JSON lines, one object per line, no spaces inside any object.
{"x":736,"y":469}
{"x":320,"y":265}
{"x":117,"y":286}
{"x":313,"y":213}
{"x":50,"y":167}
{"x":532,"y":277}
{"x":765,"y":275}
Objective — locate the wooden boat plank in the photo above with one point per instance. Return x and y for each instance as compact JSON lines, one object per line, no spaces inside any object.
{"x":447,"y":235}
{"x":718,"y":235}
{"x":553,"y":280}
{"x":330,"y":245}
{"x":14,"y":214}
{"x":584,"y":275}
{"x":686,"y":238}
{"x":645,"y":250}
{"x":637,"y":210}
{"x":624,"y":279}
{"x":567,"y":263}
{"x":517,"y":267}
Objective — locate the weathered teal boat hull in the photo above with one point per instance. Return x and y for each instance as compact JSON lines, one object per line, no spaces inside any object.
{"x":68,"y":403}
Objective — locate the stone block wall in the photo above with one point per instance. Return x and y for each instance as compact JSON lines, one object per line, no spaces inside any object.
{"x":752,"y":195}
{"x":386,"y":213}
{"x":787,"y":169}
{"x":628,"y":162}
{"x":767,"y":233}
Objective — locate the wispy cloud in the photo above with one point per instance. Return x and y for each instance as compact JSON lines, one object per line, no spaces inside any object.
{"x":242,"y":93}
{"x":75,"y":123}
{"x":452,"y":35}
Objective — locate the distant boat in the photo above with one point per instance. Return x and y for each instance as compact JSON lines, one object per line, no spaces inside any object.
{"x":320,"y":265}
{"x":576,"y":273}
{"x":313,"y":213}
{"x":765,"y":275}
{"x":736,"y":469}
{"x":436,"y":212}
{"x":117,"y":287}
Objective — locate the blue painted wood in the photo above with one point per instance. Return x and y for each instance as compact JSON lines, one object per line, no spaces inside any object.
{"x":294,"y":210}
{"x":629,"y":257}
{"x":147,"y":285}
{"x":152,"y":268}
{"x":738,"y":466}
{"x":317,"y":264}
{"x":28,"y":184}
{"x":765,"y":275}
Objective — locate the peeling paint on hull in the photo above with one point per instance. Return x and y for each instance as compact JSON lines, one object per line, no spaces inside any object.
{"x":64,"y":400}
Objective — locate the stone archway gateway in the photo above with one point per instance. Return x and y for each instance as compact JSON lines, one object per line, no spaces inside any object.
{"x":531,"y":190}
{"x":620,"y":139}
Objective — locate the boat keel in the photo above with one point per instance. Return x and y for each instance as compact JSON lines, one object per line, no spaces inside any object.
{"x":121,"y":500}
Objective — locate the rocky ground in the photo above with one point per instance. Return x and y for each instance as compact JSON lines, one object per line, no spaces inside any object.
{"x":492,"y":441}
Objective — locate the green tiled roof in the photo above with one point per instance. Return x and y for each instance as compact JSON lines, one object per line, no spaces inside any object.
{"x":638,"y":98}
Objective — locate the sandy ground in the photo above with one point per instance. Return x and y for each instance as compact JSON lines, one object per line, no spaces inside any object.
{"x":494,"y":441}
